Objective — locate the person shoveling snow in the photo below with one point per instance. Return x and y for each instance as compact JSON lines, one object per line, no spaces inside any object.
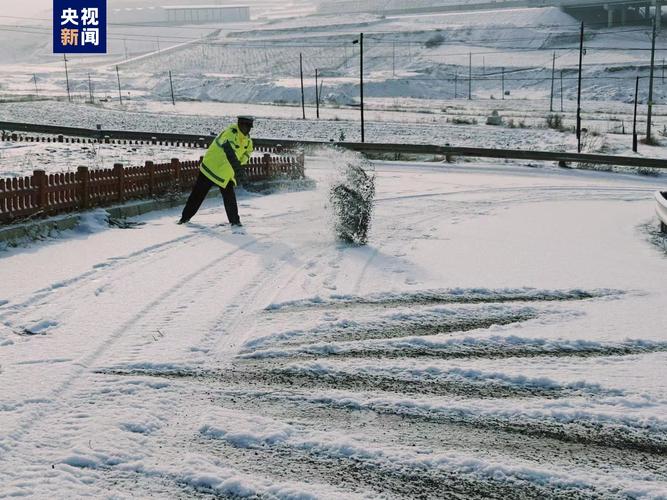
{"x":226,"y":155}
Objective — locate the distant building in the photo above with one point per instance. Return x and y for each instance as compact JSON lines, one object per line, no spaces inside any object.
{"x":202,"y":14}
{"x":180,"y":14}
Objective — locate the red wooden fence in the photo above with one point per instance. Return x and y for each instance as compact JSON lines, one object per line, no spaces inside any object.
{"x":45,"y":194}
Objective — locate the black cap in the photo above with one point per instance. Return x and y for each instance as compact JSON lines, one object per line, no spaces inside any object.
{"x":247,"y":119}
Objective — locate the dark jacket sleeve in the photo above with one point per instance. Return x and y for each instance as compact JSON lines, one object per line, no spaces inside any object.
{"x":231,"y":156}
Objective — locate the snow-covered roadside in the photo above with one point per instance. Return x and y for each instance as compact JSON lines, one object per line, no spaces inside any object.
{"x":131,"y":383}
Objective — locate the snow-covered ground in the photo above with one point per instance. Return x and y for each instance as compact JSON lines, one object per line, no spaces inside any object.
{"x":502,"y":335}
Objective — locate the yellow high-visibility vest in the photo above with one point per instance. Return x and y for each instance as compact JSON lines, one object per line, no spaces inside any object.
{"x":216,"y":166}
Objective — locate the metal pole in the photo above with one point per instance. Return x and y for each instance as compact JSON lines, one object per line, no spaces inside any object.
{"x":120,"y":95}
{"x":303,"y":98}
{"x":561,"y":91}
{"x":317,"y":95}
{"x":34,"y":77}
{"x":69,"y":96}
{"x":581,"y":61}
{"x":361,"y":82}
{"x":503,"y":80}
{"x":634,"y":121}
{"x":171,"y":84}
{"x":90,"y":89}
{"x":650,"y":83}
{"x":553,"y":79}
{"x":470,"y":76}
{"x":393,"y":59}
{"x":456,"y":86}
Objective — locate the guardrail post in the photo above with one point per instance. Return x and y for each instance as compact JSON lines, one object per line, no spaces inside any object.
{"x":83,"y":181}
{"x":39,"y":181}
{"x":150,"y":168}
{"x":176,"y":171}
{"x":119,"y":173}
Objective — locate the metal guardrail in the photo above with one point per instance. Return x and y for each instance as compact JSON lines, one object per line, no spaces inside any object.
{"x":510,"y":154}
{"x":373,"y":148}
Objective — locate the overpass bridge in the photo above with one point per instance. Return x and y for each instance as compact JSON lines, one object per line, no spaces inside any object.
{"x":618,"y":12}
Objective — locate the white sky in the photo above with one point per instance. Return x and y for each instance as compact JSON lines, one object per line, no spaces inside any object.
{"x":26,"y":8}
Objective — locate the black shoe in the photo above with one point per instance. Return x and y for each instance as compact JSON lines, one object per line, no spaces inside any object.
{"x":183,"y":221}
{"x":237,"y":224}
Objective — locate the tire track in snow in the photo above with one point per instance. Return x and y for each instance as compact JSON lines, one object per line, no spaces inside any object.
{"x":410,"y":433}
{"x":45,"y":295}
{"x":447,"y":296}
{"x":386,"y":478}
{"x":57,"y":396}
{"x":615,"y":434}
{"x":493,"y":348}
{"x":398,"y":325}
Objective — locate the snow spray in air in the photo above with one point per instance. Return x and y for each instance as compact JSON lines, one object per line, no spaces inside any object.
{"x":351,"y":196}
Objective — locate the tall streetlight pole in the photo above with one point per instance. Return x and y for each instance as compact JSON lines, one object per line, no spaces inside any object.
{"x":360,"y":41}
{"x":581,"y":61}
{"x":303,"y":99}
{"x":317,"y":94}
{"x":634,"y":120}
{"x":650,"y":82}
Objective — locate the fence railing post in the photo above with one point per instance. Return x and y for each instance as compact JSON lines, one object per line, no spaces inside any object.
{"x":176,"y":171}
{"x":150,"y":167}
{"x":39,"y":181}
{"x":266,"y":161}
{"x":119,"y":173}
{"x":301,"y":162}
{"x":83,"y":181}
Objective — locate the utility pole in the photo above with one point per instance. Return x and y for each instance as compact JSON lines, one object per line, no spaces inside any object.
{"x":90,"y":89}
{"x":456,"y":85}
{"x":470,"y":76}
{"x":581,"y":61}
{"x":34,"y":77}
{"x":360,"y":41}
{"x":125,"y":45}
{"x":502,"y":72}
{"x":303,"y":98}
{"x":650,"y":83}
{"x":120,"y":95}
{"x":171,"y":84}
{"x":553,"y":79}
{"x":321,"y":85}
{"x":361,"y":80}
{"x":634,"y":121}
{"x":561,"y":91}
{"x":393,"y":60}
{"x":317,"y":95}
{"x":69,"y":96}
{"x":663,"y":70}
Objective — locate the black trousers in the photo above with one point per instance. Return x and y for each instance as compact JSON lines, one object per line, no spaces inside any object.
{"x":199,"y":192}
